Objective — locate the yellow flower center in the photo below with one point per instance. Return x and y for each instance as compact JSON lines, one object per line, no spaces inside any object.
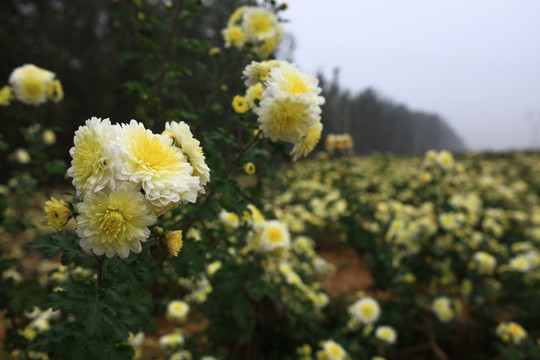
{"x":33,"y":86}
{"x":295,"y":85}
{"x":334,"y":350}
{"x":113,"y":221}
{"x":261,"y":23}
{"x":275,"y":235}
{"x":368,"y":310}
{"x":152,"y":155}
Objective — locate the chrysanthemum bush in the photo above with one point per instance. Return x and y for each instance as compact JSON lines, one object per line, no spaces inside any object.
{"x":157,"y":235}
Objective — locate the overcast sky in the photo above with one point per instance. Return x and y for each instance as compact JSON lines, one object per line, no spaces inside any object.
{"x":476,"y":63}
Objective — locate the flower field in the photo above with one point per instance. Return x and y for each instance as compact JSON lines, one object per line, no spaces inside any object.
{"x":449,"y":250}
{"x":217,"y":220}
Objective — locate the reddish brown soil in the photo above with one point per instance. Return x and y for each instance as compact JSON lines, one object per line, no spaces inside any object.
{"x":350,"y":275}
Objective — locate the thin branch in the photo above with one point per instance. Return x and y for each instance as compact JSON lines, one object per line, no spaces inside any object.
{"x":433,"y":342}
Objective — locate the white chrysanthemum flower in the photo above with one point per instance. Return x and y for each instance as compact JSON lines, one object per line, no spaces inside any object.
{"x":286,"y":117}
{"x":485,"y":263}
{"x":229,"y":219}
{"x":445,"y":159}
{"x":172,"y":341}
{"x":333,"y":350}
{"x":183,"y":138}
{"x":366,"y":310}
{"x":160,"y":167}
{"x":259,"y":24}
{"x":213,"y":267}
{"x":30,"y":83}
{"x":386,"y":334}
{"x":94,"y":157}
{"x":136,"y":340}
{"x":520,"y":263}
{"x":177,"y":310}
{"x":275,"y":235}
{"x":307,"y":143}
{"x":289,"y":79}
{"x":258,"y":72}
{"x":114,"y":222}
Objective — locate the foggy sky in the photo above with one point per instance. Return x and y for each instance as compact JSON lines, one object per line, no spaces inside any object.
{"x":475,"y":63}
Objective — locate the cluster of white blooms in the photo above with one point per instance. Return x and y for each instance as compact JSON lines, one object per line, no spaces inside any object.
{"x":331,"y":350}
{"x":126,"y":176}
{"x":445,"y":309}
{"x":287,"y":103}
{"x":443,"y":159}
{"x":254,"y":28}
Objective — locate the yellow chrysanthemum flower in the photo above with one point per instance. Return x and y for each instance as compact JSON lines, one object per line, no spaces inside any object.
{"x":5,"y":95}
{"x":173,"y":242}
{"x":94,"y":157}
{"x":114,"y":222}
{"x":57,"y":213}
{"x":308,"y":142}
{"x":240,"y":105}
{"x":30,"y":84}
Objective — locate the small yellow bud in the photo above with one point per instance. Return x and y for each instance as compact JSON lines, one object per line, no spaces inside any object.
{"x":249,"y":168}
{"x":57,"y":213}
{"x":157,"y":231}
{"x":240,"y":105}
{"x":173,"y":242}
{"x":141,"y":16}
{"x":55,"y":92}
{"x":5,"y":95}
{"x":214,"y":51}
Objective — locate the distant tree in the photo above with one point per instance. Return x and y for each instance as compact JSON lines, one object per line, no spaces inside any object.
{"x":378,"y":124}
